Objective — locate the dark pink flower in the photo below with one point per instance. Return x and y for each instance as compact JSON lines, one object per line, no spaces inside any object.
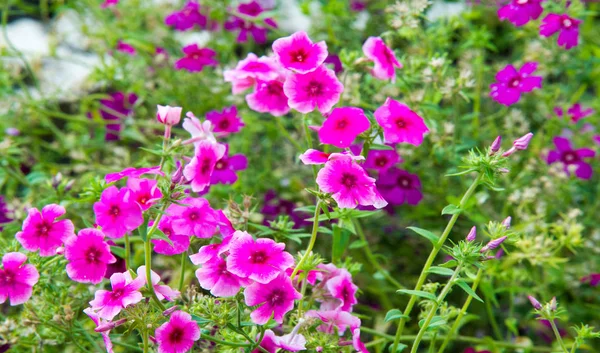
{"x":269,"y":97}
{"x":178,"y":334}
{"x":472,"y":350}
{"x":132,"y":173}
{"x":196,"y":58}
{"x":125,"y":48}
{"x":186,"y":18}
{"x":318,"y":89}
{"x":88,"y":255}
{"x":117,"y":212}
{"x":573,"y":159}
{"x":575,"y":112}
{"x":593,"y":278}
{"x":109,"y":3}
{"x":117,"y":107}
{"x":342,"y":126}
{"x":195,"y":218}
{"x":144,"y":192}
{"x":273,"y":299}
{"x":210,"y":252}
{"x":269,"y":343}
{"x":398,"y":186}
{"x":383,"y":57}
{"x":200,"y":169}
{"x":333,"y":61}
{"x":226,"y":121}
{"x":400,"y":123}
{"x":568,"y":27}
{"x":312,"y":156}
{"x":162,"y":291}
{"x":16,"y":280}
{"x":259,"y":32}
{"x":511,"y":84}
{"x":180,"y":242}
{"x":358,"y":345}
{"x":214,"y":276}
{"x":382,"y":160}
{"x":100,"y":322}
{"x":42,"y":231}
{"x":250,"y":70}
{"x":125,"y":292}
{"x":519,"y":12}
{"x":343,"y":290}
{"x":226,"y":168}
{"x":298,"y":53}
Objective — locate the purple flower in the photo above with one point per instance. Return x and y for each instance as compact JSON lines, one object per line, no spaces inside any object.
{"x":511,"y":83}
{"x":225,"y":168}
{"x":5,"y":214}
{"x":275,"y":206}
{"x":251,"y":9}
{"x":187,"y":17}
{"x":382,"y":160}
{"x":593,"y":278}
{"x":125,"y":48}
{"x":519,"y":12}
{"x":398,"y":186}
{"x":334,"y":63}
{"x":117,"y":107}
{"x":567,"y":26}
{"x":575,"y":112}
{"x":196,"y":58}
{"x":573,"y":159}
{"x":226,"y":121}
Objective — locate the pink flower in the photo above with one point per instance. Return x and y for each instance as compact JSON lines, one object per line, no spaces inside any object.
{"x":109,"y":3}
{"x":132,"y":172}
{"x":317,"y":89}
{"x":225,"y":122}
{"x":383,"y":57}
{"x":292,"y":342}
{"x":187,"y":17}
{"x":593,"y":278}
{"x":342,"y":126}
{"x":117,"y":212}
{"x":260,"y":260}
{"x":399,"y":186}
{"x":298,"y":53}
{"x":125,"y":292}
{"x":99,"y":321}
{"x":88,"y":255}
{"x":269,"y":97}
{"x":196,"y":218}
{"x":274,"y":299}
{"x":257,"y":28}
{"x":178,"y":334}
{"x":269,"y":343}
{"x":211,"y":251}
{"x":511,"y":84}
{"x":349,"y":184}
{"x":358,"y":345}
{"x":568,"y":27}
{"x":214,"y":276}
{"x":382,"y":160}
{"x":575,"y":112}
{"x":519,"y":12}
{"x":573,"y":159}
{"x":16,"y":280}
{"x":168,"y":115}
{"x":42,"y":231}
{"x":335,"y":319}
{"x":400,"y":123}
{"x":125,"y":48}
{"x":196,"y":58}
{"x":180,"y":242}
{"x":200,"y":169}
{"x":226,"y":167}
{"x":343,"y":290}
{"x":162,"y":291}
{"x":199,"y":131}
{"x":312,"y":156}
{"x":144,"y":192}
{"x":249,"y":71}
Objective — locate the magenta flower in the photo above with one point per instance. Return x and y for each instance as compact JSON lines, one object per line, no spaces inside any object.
{"x":568,"y":27}
{"x":343,"y":125}
{"x":144,"y":192}
{"x":214,"y":276}
{"x":125,"y":48}
{"x":317,"y":89}
{"x":249,"y":71}
{"x":333,"y":61}
{"x":335,"y":319}
{"x":100,"y":322}
{"x":400,"y":123}
{"x":511,"y":84}
{"x":312,"y":156}
{"x":109,"y":3}
{"x":125,"y":292}
{"x":383,"y":57}
{"x":178,"y":334}
{"x":210,"y":252}
{"x":42,"y":231}
{"x":472,"y":350}
{"x":269,"y":97}
{"x":382,"y":160}
{"x":358,"y":345}
{"x":226,"y":121}
{"x":5,"y":214}
{"x":519,"y":12}
{"x":343,"y":290}
{"x":260,"y":260}
{"x":593,"y":278}
{"x":187,"y":18}
{"x":168,"y":115}
{"x":196,"y":58}
{"x":88,"y":255}
{"x":349,"y":184}
{"x":259,"y":33}
{"x":573,"y":159}
{"x":115,"y":108}
{"x":201,"y":167}
{"x":575,"y":112}
{"x":16,"y":280}
{"x":298,"y":53}
{"x":162,"y":291}
{"x":196,"y":218}
{"x":275,"y":299}
{"x":117,"y":212}
{"x":398,"y":187}
{"x":269,"y":343}
{"x":132,"y":173}
{"x":180,"y":242}
{"x":225,"y":168}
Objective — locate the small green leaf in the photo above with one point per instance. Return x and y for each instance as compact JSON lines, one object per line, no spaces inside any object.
{"x":326,"y":210}
{"x":466,"y":288}
{"x":160,"y":235}
{"x":200,"y":320}
{"x":418,"y":293}
{"x":426,"y":234}
{"x":399,"y":348}
{"x":461,"y":173}
{"x":357,"y":244}
{"x":436,"y":321}
{"x":119,"y":251}
{"x":394,"y":314}
{"x":376,"y":146}
{"x":449,"y":264}
{"x":451,"y":209}
{"x":440,"y":271}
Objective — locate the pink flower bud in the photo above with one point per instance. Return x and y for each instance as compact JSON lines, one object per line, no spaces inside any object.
{"x":534,"y":302}
{"x":522,"y":142}
{"x":506,"y":222}
{"x":60,"y":250}
{"x":553,"y":304}
{"x":170,"y":310}
{"x":472,"y":234}
{"x":177,"y":174}
{"x":495,"y":145}
{"x":168,"y":115}
{"x":503,"y":170}
{"x":493,"y":244}
{"x":110,"y":325}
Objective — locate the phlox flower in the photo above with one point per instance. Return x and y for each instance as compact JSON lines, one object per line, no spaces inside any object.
{"x":400,"y":123}
{"x":200,"y":131}
{"x":566,"y":25}
{"x":298,"y":53}
{"x":132,"y":173}
{"x":225,"y":168}
{"x":125,"y":48}
{"x":575,"y":112}
{"x":259,"y":33}
{"x":333,"y":61}
{"x":42,"y":231}
{"x":382,"y":160}
{"x":311,"y":277}
{"x":399,"y":186}
{"x":195,"y":218}
{"x":109,"y":3}
{"x":261,"y":260}
{"x":511,"y":84}
{"x":99,"y":321}
{"x":180,"y":242}
{"x":343,"y":290}
{"x":519,"y":12}
{"x":383,"y":57}
{"x":5,"y":214}
{"x":269,"y":97}
{"x":178,"y":334}
{"x":292,"y":342}
{"x":16,"y":280}
{"x":144,"y":192}
{"x":115,"y":109}
{"x":117,"y":212}
{"x":162,"y":291}
{"x":269,"y":343}
{"x":312,"y":156}
{"x":335,"y":319}
{"x":125,"y":292}
{"x":225,"y":227}
{"x":342,"y":126}
{"x":593,"y":278}
{"x":572,"y":159}
{"x":275,"y":205}
{"x":225,"y":122}
{"x":196,"y":58}
{"x":214,"y":276}
{"x":349,"y":183}
{"x":318,"y":89}
{"x":250,"y":70}
{"x":211,"y":251}
{"x":168,"y":115}
{"x":88,"y":255}
{"x":358,"y":345}
{"x":275,"y":299}
{"x":187,"y":18}
{"x":200,"y":168}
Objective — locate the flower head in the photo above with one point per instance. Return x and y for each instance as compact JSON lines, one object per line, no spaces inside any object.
{"x":568,"y":27}
{"x":132,"y":173}
{"x":250,"y":70}
{"x":115,"y":109}
{"x":226,"y":121}
{"x":258,"y":29}
{"x":333,"y":62}
{"x":511,"y":84}
{"x":225,"y":168}
{"x":180,"y":242}
{"x":162,"y":291}
{"x":196,"y":58}
{"x":269,"y":97}
{"x":178,"y":334}
{"x":144,"y":192}
{"x":275,"y":299}
{"x":572,"y":159}
{"x":168,"y":115}
{"x":42,"y":231}
{"x":125,"y":48}
{"x":100,"y":322}
{"x":343,"y":290}
{"x":117,"y":212}
{"x":125,"y":292}
{"x":399,"y":186}
{"x":195,"y":218}
{"x":312,"y":156}
{"x":383,"y":57}
{"x":342,"y":126}
{"x":472,"y":234}
{"x":187,"y":18}
{"x":214,"y":276}
{"x":200,"y":131}
{"x":298,"y":53}
{"x":335,"y":319}
{"x":593,"y":279}
{"x":519,"y":12}
{"x":16,"y":280}
{"x":201,"y":167}
{"x":575,"y":112}
{"x":318,"y":89}
{"x":88,"y":255}
{"x":400,"y":123}
{"x":534,"y":302}
{"x":382,"y":160}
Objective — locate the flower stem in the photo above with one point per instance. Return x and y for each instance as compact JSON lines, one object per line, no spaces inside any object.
{"x":145,"y":340}
{"x":436,"y":249}
{"x":312,"y":241}
{"x":558,"y":337}
{"x":490,"y":313}
{"x":181,"y":276}
{"x":127,"y":253}
{"x":148,"y":249}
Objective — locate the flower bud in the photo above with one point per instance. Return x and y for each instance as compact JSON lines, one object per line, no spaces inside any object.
{"x":168,"y":115}
{"x":506,"y":222}
{"x":110,"y":325}
{"x":534,"y":302}
{"x":170,"y":310}
{"x":472,"y":234}
{"x":493,"y":244}
{"x":503,"y":170}
{"x":553,"y":304}
{"x":519,"y":144}
{"x":56,"y":180}
{"x":69,"y":185}
{"x":495,"y":147}
{"x":177,"y":174}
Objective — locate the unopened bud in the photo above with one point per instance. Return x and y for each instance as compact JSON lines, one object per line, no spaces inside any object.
{"x":168,"y":115}
{"x":472,"y":234}
{"x":553,"y":304}
{"x":69,"y":185}
{"x":519,"y":144}
{"x":177,"y":174}
{"x":110,"y":325}
{"x":60,"y":250}
{"x":170,"y":310}
{"x":506,"y":222}
{"x":534,"y":302}
{"x":503,"y":170}
{"x":493,"y":244}
{"x":56,"y":180}
{"x":495,"y":147}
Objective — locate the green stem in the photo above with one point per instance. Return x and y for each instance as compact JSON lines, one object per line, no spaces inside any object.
{"x":312,"y":241}
{"x":492,"y":318}
{"x":148,"y":250}
{"x":127,"y":252}
{"x":557,"y":334}
{"x":436,"y":249}
{"x":145,"y":340}
{"x":181,"y":277}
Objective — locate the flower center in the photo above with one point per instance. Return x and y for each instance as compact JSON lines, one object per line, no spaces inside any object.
{"x":298,"y":56}
{"x":514,"y":82}
{"x":400,"y":123}
{"x":193,"y":216}
{"x":275,"y":88}
{"x":277,"y":297}
{"x":7,"y":278}
{"x":404,"y":182}
{"x":93,"y":255}
{"x":43,"y":229}
{"x":315,"y":88}
{"x":567,"y":23}
{"x":224,"y":124}
{"x":381,"y":161}
{"x":205,"y":167}
{"x":341,"y":124}
{"x":349,"y":180}
{"x":569,"y":157}
{"x":117,"y":293}
{"x":176,"y":335}
{"x":114,"y":210}
{"x":258,"y":257}
{"x":220,"y":165}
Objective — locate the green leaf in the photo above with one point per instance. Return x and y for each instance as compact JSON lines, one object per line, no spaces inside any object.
{"x":440,"y":271}
{"x":449,"y":264}
{"x":461,"y":173}
{"x":326,"y":210}
{"x":418,"y":293}
{"x":143,"y":230}
{"x":119,"y":251}
{"x":160,"y":235}
{"x":378,"y":147}
{"x":399,"y":348}
{"x":436,"y":321}
{"x":200,"y":320}
{"x":451,"y":209}
{"x":340,"y":242}
{"x":466,"y":288}
{"x":394,"y":314}
{"x":357,"y":244}
{"x":426,"y":234}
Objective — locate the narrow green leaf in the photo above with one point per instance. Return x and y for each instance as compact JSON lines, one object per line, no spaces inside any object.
{"x":357,"y":244}
{"x":376,"y":146}
{"x":440,"y":271}
{"x":160,"y":235}
{"x":399,"y":348}
{"x":394,"y":314}
{"x":426,"y":234}
{"x":466,"y":288}
{"x":451,"y":209}
{"x":418,"y":293}
{"x":436,"y":321}
{"x":326,"y":211}
{"x":119,"y":251}
{"x":200,"y":320}
{"x":461,"y":173}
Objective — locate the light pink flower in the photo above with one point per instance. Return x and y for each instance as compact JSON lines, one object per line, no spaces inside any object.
{"x":168,"y":115}
{"x":269,"y":97}
{"x":99,"y":321}
{"x":383,"y":57}
{"x":225,"y":122}
{"x":117,"y":212}
{"x":199,"y":131}
{"x":214,"y":276}
{"x":519,"y":12}
{"x":249,"y":71}
{"x":312,"y":156}
{"x":261,"y":260}
{"x":298,"y":53}
{"x":342,"y":126}
{"x":293,"y":342}
{"x":400,"y":123}
{"x":201,"y":167}
{"x":511,"y":84}
{"x":349,"y":184}
{"x":318,"y":89}
{"x":125,"y":292}
{"x":178,"y":334}
{"x":162,"y":291}
{"x":358,"y":345}
{"x":274,"y":299}
{"x":195,"y":218}
{"x":16,"y":280}
{"x":568,"y":27}
{"x":180,"y":242}
{"x":144,"y":192}
{"x":343,"y":290}
{"x":42,"y":231}
{"x":88,"y":255}
{"x":335,"y":319}
{"x":132,"y":172}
